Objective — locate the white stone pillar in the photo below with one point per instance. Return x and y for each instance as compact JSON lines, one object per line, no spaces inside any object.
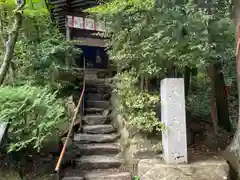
{"x":68,"y":33}
{"x":3,"y":127}
{"x":173,"y":115}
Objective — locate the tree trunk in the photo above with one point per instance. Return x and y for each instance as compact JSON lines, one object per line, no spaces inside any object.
{"x":221,"y":101}
{"x":187,"y":75}
{"x":146,"y":86}
{"x":212,"y":73}
{"x":11,"y":42}
{"x":142,"y":83}
{"x":232,"y":153}
{"x":194,"y":83}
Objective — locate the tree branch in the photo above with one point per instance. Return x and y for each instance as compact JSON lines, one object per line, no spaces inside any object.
{"x":12,"y":39}
{"x":2,"y":35}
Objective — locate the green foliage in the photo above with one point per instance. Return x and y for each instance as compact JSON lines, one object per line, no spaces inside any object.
{"x":198,"y":101}
{"x":41,"y":50}
{"x":137,"y":106}
{"x":150,"y":40}
{"x":35,"y":114}
{"x":7,"y":7}
{"x":118,"y":6}
{"x":31,"y":8}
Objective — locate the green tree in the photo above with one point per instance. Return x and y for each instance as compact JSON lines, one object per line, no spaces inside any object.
{"x":12,"y":18}
{"x":157,"y":41}
{"x":232,"y":153}
{"x":40,"y":54}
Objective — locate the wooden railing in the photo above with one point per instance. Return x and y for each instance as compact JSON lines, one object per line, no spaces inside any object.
{"x":76,"y":111}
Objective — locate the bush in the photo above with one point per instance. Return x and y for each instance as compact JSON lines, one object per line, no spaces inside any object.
{"x":35,"y":115}
{"x":198,"y":99}
{"x":137,"y":107}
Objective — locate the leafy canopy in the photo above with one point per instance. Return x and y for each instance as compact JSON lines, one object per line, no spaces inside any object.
{"x":149,"y":40}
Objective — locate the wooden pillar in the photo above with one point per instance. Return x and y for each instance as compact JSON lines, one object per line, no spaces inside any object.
{"x":68,"y":37}
{"x":68,"y":32}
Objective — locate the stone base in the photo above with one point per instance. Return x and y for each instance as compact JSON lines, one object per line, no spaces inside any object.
{"x":153,"y":169}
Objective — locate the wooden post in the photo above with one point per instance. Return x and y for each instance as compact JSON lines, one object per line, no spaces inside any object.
{"x":68,"y":30}
{"x":68,"y":37}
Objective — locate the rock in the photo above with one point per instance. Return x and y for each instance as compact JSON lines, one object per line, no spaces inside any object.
{"x":98,"y":148}
{"x":152,"y":169}
{"x":70,"y":106}
{"x":98,"y":162}
{"x":98,"y":129}
{"x":107,"y":175}
{"x":95,"y":138}
{"x":105,"y":112}
{"x":94,"y":119}
{"x":231,"y":154}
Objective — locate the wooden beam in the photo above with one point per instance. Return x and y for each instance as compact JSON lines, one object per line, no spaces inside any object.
{"x":91,"y":41}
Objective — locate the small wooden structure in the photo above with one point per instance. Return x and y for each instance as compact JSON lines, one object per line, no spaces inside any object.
{"x":76,"y":25}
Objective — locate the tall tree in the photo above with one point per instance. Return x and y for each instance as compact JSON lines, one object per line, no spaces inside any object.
{"x":232,"y":153}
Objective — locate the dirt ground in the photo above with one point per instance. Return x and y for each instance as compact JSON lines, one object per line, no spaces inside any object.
{"x":208,"y":146}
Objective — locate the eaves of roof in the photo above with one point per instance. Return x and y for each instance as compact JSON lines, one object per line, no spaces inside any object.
{"x":60,"y":8}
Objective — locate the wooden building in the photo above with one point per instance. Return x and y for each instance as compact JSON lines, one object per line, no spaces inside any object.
{"x":76,"y":25}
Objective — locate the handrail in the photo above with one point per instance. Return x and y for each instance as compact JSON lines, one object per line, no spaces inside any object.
{"x":57,"y":168}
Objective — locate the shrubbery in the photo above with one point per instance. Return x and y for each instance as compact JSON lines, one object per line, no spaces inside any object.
{"x":137,"y":106}
{"x":35,"y":114}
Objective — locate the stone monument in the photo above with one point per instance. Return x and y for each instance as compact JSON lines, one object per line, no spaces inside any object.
{"x":173,"y":116}
{"x":3,"y":128}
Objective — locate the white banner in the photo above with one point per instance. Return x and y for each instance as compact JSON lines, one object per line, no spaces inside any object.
{"x":78,"y":22}
{"x":84,"y":23}
{"x":89,"y":24}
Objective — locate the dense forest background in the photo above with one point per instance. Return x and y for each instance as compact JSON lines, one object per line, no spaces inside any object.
{"x":148,"y":41}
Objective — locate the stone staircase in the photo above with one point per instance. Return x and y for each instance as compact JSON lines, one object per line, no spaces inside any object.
{"x":96,"y":144}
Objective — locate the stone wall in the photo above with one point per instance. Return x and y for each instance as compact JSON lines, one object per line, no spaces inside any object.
{"x":134,"y":145}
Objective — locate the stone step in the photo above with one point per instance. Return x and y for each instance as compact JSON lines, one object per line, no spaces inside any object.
{"x":94,"y":110}
{"x":98,"y":129}
{"x":94,"y":97}
{"x":73,"y":178}
{"x":97,"y":81}
{"x":93,"y":90}
{"x":107,"y":175}
{"x":97,"y":174}
{"x":98,"y":148}
{"x":99,"y":104}
{"x":98,"y":162}
{"x":95,"y":119}
{"x":98,"y":96}
{"x":96,"y":89}
{"x":95,"y":138}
